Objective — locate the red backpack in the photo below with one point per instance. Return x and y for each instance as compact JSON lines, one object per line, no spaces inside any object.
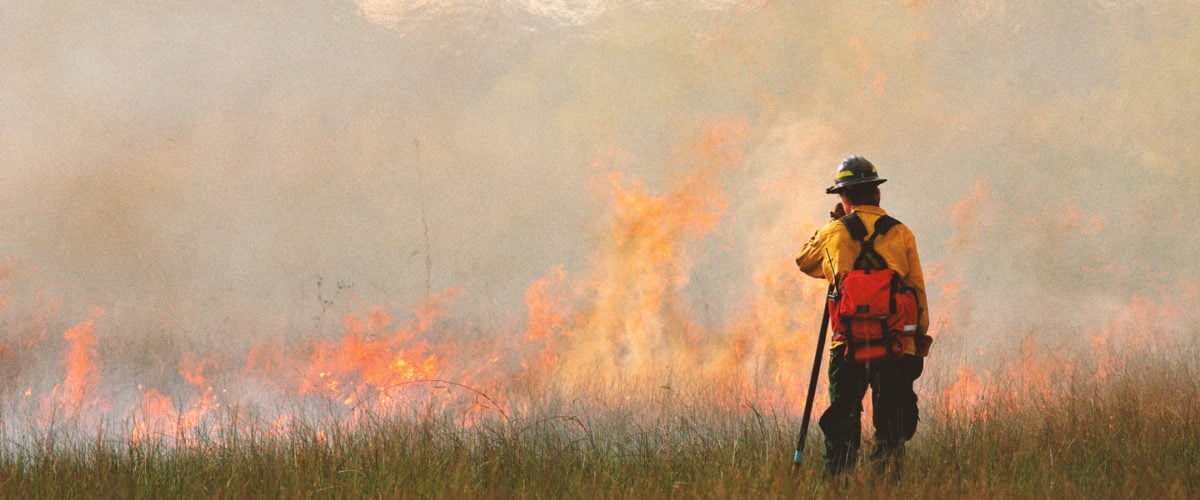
{"x":870,"y":308}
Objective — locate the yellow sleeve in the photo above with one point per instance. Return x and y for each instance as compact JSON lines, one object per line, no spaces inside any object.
{"x":812,"y":257}
{"x":916,"y":279}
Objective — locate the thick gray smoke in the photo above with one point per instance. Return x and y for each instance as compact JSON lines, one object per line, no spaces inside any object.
{"x":195,"y":169}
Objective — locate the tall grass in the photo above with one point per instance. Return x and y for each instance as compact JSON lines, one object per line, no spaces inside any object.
{"x":1134,"y":433}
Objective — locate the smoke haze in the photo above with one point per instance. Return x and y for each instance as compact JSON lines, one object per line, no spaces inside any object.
{"x":215,"y":174}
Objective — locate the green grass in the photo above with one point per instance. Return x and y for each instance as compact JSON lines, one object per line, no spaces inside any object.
{"x":1133,"y":434}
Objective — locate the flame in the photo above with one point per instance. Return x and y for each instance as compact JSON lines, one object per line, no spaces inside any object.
{"x":373,"y":358}
{"x":622,"y":321}
{"x":82,"y":375}
{"x":156,"y":418}
{"x":192,"y":369}
{"x":632,"y":322}
{"x":1145,"y":324}
{"x":193,"y":372}
{"x":964,"y":398}
{"x":548,"y":316}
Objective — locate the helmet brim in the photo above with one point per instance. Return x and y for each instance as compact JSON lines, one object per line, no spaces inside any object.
{"x":838,"y":188}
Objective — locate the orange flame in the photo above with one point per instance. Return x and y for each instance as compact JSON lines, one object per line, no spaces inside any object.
{"x":547,"y":319}
{"x":369,"y":360}
{"x":82,"y":375}
{"x":623,"y":320}
{"x":634,"y":323}
{"x":156,"y":419}
{"x":963,"y":399}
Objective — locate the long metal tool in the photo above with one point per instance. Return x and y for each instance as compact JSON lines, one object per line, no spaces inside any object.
{"x":812,"y":382}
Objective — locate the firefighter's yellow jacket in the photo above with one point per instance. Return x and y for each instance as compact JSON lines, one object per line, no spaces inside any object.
{"x":831,"y":252}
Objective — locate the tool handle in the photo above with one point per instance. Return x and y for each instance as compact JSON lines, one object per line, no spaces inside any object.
{"x":812,"y":382}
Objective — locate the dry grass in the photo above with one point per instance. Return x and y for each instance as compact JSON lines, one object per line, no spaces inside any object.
{"x":1133,"y":434}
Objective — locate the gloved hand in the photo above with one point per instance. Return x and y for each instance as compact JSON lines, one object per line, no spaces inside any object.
{"x":838,"y":212}
{"x":924,"y":342}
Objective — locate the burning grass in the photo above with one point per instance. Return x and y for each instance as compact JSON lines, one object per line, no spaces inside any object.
{"x":613,"y":386}
{"x":1134,"y":433}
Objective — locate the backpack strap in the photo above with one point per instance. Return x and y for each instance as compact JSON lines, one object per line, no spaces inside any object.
{"x":858,"y":230}
{"x":867,"y":257}
{"x":885,"y":223}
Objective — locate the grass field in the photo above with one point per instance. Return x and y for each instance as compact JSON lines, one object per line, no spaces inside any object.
{"x":1133,"y":433}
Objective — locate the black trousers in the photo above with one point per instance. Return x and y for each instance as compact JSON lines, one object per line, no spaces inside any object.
{"x":894,"y":406}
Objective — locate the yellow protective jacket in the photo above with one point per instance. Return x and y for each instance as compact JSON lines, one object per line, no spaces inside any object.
{"x":898,"y":247}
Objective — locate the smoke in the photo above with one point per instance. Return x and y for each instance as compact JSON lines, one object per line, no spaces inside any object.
{"x":213,"y":174}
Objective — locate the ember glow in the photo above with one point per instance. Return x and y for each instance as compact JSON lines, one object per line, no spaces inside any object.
{"x":295,"y":212}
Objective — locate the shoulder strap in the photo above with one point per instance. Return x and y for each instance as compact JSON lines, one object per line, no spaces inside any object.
{"x":857,"y":229}
{"x":885,"y":223}
{"x":867,"y":257}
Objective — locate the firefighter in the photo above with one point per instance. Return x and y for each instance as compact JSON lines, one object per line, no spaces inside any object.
{"x":829,"y":255}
